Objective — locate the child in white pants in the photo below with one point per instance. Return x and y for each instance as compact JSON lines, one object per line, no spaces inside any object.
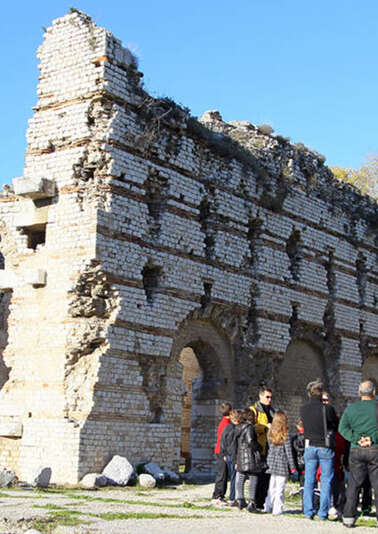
{"x":280,"y":461}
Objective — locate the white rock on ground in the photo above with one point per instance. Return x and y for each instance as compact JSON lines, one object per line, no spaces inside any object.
{"x":146,"y":481}
{"x":91,"y":480}
{"x":118,"y":471}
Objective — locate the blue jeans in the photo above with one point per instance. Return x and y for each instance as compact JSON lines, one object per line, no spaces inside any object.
{"x":232,"y":473}
{"x":313,"y":457}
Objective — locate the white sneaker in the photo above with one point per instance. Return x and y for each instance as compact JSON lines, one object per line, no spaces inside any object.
{"x":333,"y":514}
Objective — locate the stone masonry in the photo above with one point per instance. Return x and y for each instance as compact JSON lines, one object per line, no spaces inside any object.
{"x":138,"y":231}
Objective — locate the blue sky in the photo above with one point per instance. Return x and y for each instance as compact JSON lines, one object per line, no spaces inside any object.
{"x":307,"y":68}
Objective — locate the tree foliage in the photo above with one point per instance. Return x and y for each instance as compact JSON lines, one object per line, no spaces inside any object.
{"x":365,"y":178}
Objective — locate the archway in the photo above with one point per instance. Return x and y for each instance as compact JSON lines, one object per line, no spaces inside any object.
{"x":370,"y":368}
{"x":302,"y":363}
{"x":205,"y":354}
{"x":191,"y":375}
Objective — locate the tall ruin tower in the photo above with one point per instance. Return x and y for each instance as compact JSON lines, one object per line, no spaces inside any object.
{"x":141,"y":244}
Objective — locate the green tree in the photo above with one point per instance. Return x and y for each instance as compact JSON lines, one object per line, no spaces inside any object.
{"x":365,"y":178}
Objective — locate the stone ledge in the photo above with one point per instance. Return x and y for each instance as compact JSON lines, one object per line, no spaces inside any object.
{"x":11,"y":429}
{"x":36,"y":277}
{"x":34,"y":188}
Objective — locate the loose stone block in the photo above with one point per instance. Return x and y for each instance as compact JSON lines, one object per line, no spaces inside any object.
{"x":118,"y":471}
{"x":146,"y":481}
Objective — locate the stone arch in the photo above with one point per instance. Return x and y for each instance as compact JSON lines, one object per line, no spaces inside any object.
{"x":303,"y":362}
{"x":203,"y":334}
{"x":370,"y":368}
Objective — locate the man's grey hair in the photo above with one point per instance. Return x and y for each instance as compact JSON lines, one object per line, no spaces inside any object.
{"x":315,"y":389}
{"x":366,"y":389}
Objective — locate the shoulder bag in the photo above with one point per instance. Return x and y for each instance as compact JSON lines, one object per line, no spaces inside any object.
{"x":329,"y":435}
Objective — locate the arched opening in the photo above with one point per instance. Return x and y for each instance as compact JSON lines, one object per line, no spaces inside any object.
{"x":370,"y":368}
{"x":191,"y":375}
{"x":206,"y":358}
{"x":302,"y":363}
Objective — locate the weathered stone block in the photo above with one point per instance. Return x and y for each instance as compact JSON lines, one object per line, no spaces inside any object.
{"x":118,"y":471}
{"x":34,"y":188}
{"x":11,"y":429}
{"x":146,"y":481}
{"x":7,"y":478}
{"x":32,"y":217}
{"x":171,"y":475}
{"x":153,"y":469}
{"x":42,"y":477}
{"x":91,"y":480}
{"x":36,"y":277}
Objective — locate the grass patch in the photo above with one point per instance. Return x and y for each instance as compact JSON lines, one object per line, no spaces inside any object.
{"x":148,"y":503}
{"x":66,"y":518}
{"x":54,"y":507}
{"x":366,"y":522}
{"x":109,"y":516}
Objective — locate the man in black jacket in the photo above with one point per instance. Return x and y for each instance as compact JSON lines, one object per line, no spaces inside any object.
{"x":316,"y":452}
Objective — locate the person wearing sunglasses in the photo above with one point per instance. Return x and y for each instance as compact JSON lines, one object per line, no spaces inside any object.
{"x":264,"y":413}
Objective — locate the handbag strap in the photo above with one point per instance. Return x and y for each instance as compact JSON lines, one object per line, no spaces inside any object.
{"x":325,"y":421}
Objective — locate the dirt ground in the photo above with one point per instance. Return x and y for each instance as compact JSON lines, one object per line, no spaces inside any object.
{"x":182,"y":509}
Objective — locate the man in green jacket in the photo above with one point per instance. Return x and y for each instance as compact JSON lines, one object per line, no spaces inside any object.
{"x":359,"y":426}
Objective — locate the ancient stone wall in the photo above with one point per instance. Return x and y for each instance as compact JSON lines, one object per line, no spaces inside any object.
{"x":162,"y":233}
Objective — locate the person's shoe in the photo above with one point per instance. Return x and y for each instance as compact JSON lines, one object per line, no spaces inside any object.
{"x":333,"y":514}
{"x":348,"y":522}
{"x":251,"y":507}
{"x":242,"y":504}
{"x":232,"y":503}
{"x":220,"y":503}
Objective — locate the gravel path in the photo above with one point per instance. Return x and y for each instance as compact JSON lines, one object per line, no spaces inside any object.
{"x":182,"y":510}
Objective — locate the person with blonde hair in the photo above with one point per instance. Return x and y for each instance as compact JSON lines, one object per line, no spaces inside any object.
{"x":280,"y":463}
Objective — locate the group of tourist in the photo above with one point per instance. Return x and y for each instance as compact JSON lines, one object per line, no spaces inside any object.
{"x":254,"y":443}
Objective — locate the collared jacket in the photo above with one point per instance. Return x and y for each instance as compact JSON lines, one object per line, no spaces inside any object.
{"x":280,"y":458}
{"x":246,"y":444}
{"x":261,"y":424}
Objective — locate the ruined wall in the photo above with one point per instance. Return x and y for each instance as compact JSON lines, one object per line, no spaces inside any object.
{"x":164,"y":232}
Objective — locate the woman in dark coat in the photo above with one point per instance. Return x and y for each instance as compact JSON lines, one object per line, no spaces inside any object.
{"x":247,"y":461}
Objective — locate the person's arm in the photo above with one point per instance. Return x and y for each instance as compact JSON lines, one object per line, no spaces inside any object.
{"x":289,"y":454}
{"x":345,"y":427}
{"x":332,"y":419}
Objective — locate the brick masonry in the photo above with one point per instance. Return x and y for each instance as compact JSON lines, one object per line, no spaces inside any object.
{"x":164,"y":233}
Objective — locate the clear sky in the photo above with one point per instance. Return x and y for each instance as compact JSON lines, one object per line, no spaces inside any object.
{"x":309,"y":69}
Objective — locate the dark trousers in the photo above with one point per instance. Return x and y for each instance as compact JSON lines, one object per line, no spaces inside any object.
{"x":263,"y":480}
{"x":362,"y":462}
{"x":220,"y":478}
{"x":338,"y":493}
{"x":366,"y":495}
